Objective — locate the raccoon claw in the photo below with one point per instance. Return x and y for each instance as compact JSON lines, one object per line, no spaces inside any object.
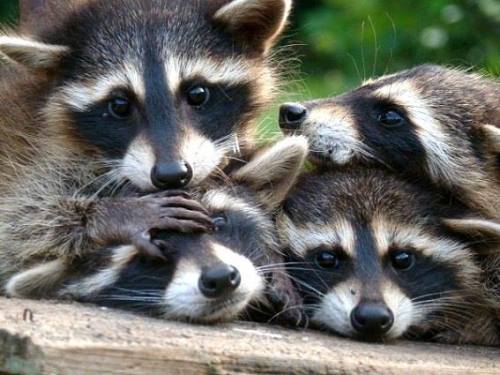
{"x":145,"y":245}
{"x":286,"y":301}
{"x":172,"y":224}
{"x":290,"y":309}
{"x":182,"y":202}
{"x":172,"y":193}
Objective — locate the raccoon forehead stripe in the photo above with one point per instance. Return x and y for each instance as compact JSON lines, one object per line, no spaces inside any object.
{"x":221,"y":201}
{"x":390,"y":235}
{"x":81,"y":95}
{"x":229,"y":71}
{"x":436,"y":142}
{"x":304,"y":238}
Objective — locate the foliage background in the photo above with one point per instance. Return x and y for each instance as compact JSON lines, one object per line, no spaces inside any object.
{"x":341,"y":42}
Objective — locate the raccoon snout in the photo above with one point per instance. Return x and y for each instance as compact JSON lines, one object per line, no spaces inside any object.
{"x":292,"y":116}
{"x":219,"y":281}
{"x":372,"y":319}
{"x":171,"y":175}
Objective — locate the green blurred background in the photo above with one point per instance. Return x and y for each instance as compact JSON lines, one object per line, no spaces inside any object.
{"x":333,"y":45}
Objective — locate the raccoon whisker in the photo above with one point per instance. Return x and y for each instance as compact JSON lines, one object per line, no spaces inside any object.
{"x":428,"y":295}
{"x":367,"y":152}
{"x":254,"y":307}
{"x":143,"y":292}
{"x":132,"y":299}
{"x":284,"y":265}
{"x":307,"y":286}
{"x":290,"y":308}
{"x":283,"y":269}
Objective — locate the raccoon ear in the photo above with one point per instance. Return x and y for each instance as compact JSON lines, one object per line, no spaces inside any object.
{"x":256,"y":23}
{"x":476,"y":227}
{"x":272,"y":173}
{"x":493,"y":136}
{"x":32,"y":54}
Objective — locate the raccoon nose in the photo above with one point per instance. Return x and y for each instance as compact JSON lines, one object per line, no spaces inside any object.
{"x":219,"y":281}
{"x":292,"y":116}
{"x":372,"y":319}
{"x":171,"y":175}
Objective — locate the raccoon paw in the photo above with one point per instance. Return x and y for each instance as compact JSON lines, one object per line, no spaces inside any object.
{"x":286,"y":300}
{"x":126,"y":219}
{"x":180,"y":213}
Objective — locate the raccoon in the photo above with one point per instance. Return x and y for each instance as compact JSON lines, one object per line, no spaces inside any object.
{"x":98,"y":95}
{"x":430,"y":123}
{"x":377,"y":258}
{"x":200,"y":278}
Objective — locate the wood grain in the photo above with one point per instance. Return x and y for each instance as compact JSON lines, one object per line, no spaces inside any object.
{"x":68,"y":338}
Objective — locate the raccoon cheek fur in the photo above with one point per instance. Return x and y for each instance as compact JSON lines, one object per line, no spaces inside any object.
{"x":379,"y":260}
{"x":428,"y":122}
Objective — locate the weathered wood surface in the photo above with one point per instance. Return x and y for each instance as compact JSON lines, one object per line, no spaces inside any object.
{"x":55,"y":338}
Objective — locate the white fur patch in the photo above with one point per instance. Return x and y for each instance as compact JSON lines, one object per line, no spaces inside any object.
{"x":475,"y":226}
{"x":336,"y":306}
{"x":220,"y":201}
{"x":183,"y":300}
{"x":401,"y":307}
{"x":273,"y":172}
{"x":35,"y":279}
{"x":81,"y":95}
{"x":138,"y":163}
{"x":202,"y":154}
{"x":238,"y":11}
{"x":389,"y":235}
{"x":31,"y":53}
{"x":493,"y":136}
{"x":440,"y":160}
{"x":122,"y":256}
{"x":228,"y":71}
{"x":333,"y":135}
{"x":252,"y":285}
{"x":305,"y":238}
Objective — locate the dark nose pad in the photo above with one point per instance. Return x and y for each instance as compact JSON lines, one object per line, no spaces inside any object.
{"x":292,"y":116}
{"x":171,"y":175}
{"x":372,"y":319}
{"x":219,"y":281}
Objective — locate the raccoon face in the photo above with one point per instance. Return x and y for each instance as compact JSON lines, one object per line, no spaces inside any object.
{"x":162,"y":92}
{"x":204,"y":278}
{"x":415,"y":120}
{"x":367,"y":260}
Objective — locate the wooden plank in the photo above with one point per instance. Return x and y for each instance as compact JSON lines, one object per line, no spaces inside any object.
{"x":68,"y":338}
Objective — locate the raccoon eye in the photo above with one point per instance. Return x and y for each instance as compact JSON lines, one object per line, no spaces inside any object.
{"x":327,"y":259}
{"x":220,"y":221}
{"x":120,"y":107}
{"x":391,"y":118}
{"x":402,"y":260}
{"x":197,"y":96}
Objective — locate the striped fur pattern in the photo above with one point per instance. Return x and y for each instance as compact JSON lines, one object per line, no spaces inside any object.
{"x":166,"y":282}
{"x":97,"y":95}
{"x":431,"y":124}
{"x":363,"y":242}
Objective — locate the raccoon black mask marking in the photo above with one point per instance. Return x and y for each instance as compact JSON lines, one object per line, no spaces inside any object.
{"x":374,"y":260}
{"x":431,"y":124}
{"x":203,"y":277}
{"x":99,"y":95}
